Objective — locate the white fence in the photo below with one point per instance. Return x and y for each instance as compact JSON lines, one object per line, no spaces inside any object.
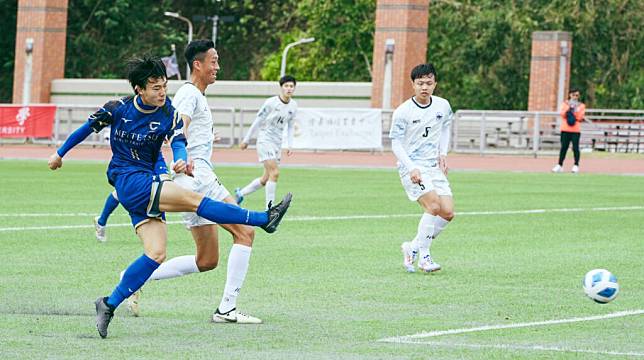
{"x":473,"y":131}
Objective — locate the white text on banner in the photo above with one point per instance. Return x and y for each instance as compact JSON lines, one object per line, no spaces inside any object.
{"x":337,"y":129}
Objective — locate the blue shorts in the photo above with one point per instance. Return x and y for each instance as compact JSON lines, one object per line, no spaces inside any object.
{"x":139,"y":193}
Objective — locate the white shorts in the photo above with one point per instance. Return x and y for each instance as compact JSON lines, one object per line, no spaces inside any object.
{"x":433,"y":179}
{"x":204,"y":182}
{"x":268,"y":151}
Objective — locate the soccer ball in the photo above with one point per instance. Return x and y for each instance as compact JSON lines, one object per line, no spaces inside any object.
{"x":601,"y":286}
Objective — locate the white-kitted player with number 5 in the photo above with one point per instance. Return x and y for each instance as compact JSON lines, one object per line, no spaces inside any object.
{"x":420,"y":134}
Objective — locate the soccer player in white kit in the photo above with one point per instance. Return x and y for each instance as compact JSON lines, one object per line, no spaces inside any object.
{"x":276,"y":113}
{"x":420,"y":134}
{"x":190,"y":100}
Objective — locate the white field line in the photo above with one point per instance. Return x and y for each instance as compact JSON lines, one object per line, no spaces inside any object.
{"x":308,"y":218}
{"x":524,"y":347}
{"x":436,"y":333}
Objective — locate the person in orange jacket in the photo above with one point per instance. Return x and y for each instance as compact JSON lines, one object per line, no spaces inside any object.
{"x":572,"y":114}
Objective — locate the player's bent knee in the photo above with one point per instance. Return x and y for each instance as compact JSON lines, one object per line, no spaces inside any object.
{"x":433,"y":208}
{"x":245,"y":236}
{"x":158,"y":256}
{"x":275,"y":174}
{"x":263,"y":179}
{"x":448,"y":215}
{"x":207,"y":264}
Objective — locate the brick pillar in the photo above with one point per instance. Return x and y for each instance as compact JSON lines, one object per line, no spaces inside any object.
{"x":544,"y":69}
{"x":46,"y":22}
{"x":404,"y":21}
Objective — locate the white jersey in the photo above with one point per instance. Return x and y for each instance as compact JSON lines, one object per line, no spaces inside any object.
{"x":191,"y":102}
{"x":422,"y":131}
{"x":271,"y":120}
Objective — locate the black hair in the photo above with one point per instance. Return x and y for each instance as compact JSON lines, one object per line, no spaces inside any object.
{"x":287,"y":78}
{"x":573,"y":90}
{"x":197,"y":50}
{"x":423,"y":70}
{"x":139,"y":70}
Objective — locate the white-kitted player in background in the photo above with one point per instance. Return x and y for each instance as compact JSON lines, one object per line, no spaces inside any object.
{"x":420,"y":134}
{"x":276,"y":113}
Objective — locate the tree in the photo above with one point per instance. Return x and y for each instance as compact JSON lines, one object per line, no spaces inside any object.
{"x":342,"y":51}
{"x":8,"y":9}
{"x":480,"y":47}
{"x":102,"y":35}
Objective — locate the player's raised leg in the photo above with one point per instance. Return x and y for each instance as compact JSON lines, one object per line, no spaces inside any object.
{"x":176,"y":199}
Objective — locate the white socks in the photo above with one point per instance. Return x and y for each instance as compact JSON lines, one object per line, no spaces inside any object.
{"x":439,"y":225}
{"x":175,"y":267}
{"x":255,"y":185}
{"x":238,"y":261}
{"x":425,"y":234}
{"x":252,"y":187}
{"x":271,"y":186}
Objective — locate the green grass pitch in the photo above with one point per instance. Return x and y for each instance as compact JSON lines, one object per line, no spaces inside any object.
{"x":328,"y":286}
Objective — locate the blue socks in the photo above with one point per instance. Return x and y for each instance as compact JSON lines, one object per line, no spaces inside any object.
{"x":110,"y":204}
{"x":134,"y":277}
{"x":223,"y":213}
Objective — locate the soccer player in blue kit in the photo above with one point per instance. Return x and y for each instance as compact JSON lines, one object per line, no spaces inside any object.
{"x":139,"y":125}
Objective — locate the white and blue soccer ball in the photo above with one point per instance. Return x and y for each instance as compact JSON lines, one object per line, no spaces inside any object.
{"x":601,"y":286}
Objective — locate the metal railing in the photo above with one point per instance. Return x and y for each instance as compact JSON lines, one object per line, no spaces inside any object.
{"x":70,"y":117}
{"x":473,"y":131}
{"x":537,"y":132}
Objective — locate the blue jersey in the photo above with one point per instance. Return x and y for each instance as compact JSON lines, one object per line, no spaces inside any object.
{"x":137,"y":133}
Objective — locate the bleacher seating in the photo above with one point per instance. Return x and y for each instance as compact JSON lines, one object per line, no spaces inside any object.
{"x":512,"y":131}
{"x":614,"y":136}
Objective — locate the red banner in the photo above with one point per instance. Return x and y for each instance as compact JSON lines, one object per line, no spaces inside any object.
{"x":33,"y":121}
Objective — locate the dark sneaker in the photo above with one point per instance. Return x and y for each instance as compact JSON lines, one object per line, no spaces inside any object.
{"x":104,"y":314}
{"x":276,"y":213}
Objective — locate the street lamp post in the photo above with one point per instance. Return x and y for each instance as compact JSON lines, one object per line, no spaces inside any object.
{"x":177,"y":16}
{"x":215,"y":20}
{"x":287,"y":48}
{"x":26,"y":83}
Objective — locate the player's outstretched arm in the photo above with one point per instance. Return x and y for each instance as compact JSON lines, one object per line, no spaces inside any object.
{"x":95,"y":123}
{"x":56,"y":159}
{"x":259,"y":119}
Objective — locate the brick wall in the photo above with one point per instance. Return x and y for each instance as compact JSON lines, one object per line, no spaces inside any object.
{"x":544,"y":69}
{"x":405,"y":21}
{"x":46,"y":22}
